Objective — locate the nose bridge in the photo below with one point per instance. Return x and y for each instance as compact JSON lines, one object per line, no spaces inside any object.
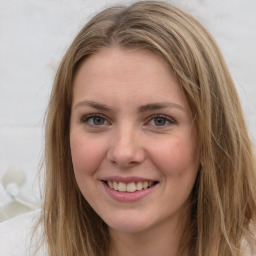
{"x":125,"y":147}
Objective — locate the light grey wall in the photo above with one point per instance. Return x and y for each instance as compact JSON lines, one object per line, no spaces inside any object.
{"x":35,"y":34}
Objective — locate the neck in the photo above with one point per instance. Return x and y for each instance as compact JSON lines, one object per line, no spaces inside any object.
{"x":162,"y":240}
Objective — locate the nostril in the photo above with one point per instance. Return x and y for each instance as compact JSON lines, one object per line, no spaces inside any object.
{"x":126,"y":157}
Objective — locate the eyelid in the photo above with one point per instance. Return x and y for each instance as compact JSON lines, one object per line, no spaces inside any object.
{"x":85,"y":118}
{"x":167,"y":118}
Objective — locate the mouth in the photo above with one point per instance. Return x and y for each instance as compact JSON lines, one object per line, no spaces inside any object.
{"x":130,"y":187}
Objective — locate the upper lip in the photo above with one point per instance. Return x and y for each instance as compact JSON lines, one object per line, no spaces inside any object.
{"x":126,"y":179}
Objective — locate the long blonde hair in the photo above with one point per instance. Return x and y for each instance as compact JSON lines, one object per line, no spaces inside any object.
{"x":224,"y":196}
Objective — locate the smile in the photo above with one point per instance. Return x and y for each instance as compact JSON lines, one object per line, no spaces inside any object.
{"x":131,"y":186}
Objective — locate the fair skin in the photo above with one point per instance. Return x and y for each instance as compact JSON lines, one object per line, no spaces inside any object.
{"x":133,"y":149}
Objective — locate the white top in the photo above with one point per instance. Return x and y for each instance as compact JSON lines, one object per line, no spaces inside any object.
{"x":16,"y":235}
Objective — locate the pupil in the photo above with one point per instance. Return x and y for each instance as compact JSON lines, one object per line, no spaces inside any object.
{"x":160,"y":121}
{"x":98,"y":121}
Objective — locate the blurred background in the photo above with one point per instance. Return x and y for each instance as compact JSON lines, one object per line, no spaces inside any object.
{"x":34,"y":36}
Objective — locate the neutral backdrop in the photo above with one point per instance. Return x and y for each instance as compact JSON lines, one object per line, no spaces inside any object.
{"x":34,"y":36}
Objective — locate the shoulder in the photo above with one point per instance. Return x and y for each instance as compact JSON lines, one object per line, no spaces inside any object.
{"x":16,"y":234}
{"x":249,"y":248}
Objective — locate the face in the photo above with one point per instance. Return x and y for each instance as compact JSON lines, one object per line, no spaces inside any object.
{"x":132,"y":140}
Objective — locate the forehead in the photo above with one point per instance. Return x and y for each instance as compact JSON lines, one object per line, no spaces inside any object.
{"x":122,"y":61}
{"x":121,"y":74}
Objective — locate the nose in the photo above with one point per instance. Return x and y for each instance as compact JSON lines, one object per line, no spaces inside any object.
{"x":126,"y":148}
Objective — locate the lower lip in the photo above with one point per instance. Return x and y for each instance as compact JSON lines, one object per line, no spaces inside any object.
{"x":128,"y":196}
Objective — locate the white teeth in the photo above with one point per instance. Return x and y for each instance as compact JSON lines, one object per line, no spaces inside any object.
{"x":115,"y":185}
{"x":145,"y":184}
{"x":139,"y":186}
{"x":130,"y":187}
{"x":122,"y":187}
{"x":110,"y":184}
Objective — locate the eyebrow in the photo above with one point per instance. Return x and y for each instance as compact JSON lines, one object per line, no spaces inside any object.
{"x":156,"y":106}
{"x":92,"y":104}
{"x":141,"y":109}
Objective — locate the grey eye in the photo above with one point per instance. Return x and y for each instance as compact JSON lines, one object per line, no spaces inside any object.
{"x":98,"y":120}
{"x":94,"y":120}
{"x":159,"y":121}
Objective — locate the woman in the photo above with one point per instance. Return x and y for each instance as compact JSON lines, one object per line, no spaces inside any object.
{"x":147,"y":151}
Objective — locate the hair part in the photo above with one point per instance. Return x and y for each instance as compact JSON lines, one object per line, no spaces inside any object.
{"x":223,"y":198}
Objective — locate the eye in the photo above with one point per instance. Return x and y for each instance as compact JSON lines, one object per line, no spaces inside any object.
{"x":160,"y":121}
{"x":95,"y":120}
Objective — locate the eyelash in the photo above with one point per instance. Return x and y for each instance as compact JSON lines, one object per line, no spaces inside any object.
{"x":163,"y":117}
{"x":86,"y":119}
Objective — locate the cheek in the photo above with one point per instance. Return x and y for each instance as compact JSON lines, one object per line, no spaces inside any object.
{"x":86,"y":154}
{"x":176,"y":157}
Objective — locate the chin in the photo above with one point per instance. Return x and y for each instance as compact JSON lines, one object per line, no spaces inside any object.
{"x":129,"y":224}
